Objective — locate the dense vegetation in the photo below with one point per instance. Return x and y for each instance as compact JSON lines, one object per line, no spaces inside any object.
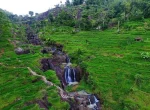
{"x":98,"y":35}
{"x":100,"y":14}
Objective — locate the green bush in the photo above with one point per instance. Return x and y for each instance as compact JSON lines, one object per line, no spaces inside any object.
{"x":145,"y":55}
{"x":49,"y":42}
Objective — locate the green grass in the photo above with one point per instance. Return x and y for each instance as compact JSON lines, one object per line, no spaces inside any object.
{"x":117,"y":73}
{"x":16,"y":86}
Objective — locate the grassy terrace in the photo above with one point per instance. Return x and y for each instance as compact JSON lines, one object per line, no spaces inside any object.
{"x":18,"y":88}
{"x":117,"y":72}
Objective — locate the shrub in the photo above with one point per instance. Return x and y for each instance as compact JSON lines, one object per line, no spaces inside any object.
{"x":145,"y":55}
{"x":49,"y":42}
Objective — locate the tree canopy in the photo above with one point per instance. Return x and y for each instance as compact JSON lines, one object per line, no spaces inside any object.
{"x":4,"y":25}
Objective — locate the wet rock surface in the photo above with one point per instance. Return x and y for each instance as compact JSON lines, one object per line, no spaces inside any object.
{"x":85,"y":101}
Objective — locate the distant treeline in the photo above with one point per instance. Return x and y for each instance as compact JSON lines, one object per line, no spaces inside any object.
{"x":89,"y":14}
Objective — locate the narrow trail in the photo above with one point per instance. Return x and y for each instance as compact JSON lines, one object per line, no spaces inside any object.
{"x":13,"y":43}
{"x":61,"y":91}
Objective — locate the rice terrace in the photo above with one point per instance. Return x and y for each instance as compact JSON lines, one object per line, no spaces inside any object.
{"x":78,"y":55}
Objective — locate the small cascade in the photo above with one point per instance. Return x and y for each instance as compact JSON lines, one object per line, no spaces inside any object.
{"x":96,"y":100}
{"x":70,"y":75}
{"x":93,"y":102}
{"x":67,"y":75}
{"x":74,"y":75}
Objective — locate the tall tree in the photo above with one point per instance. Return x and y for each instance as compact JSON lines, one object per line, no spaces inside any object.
{"x":31,"y":13}
{"x":77,"y":2}
{"x":4,"y":25}
{"x":67,"y":3}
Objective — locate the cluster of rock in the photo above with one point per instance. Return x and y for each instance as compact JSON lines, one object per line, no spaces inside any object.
{"x":85,"y":101}
{"x":33,"y":38}
{"x":68,"y":75}
{"x":59,"y":63}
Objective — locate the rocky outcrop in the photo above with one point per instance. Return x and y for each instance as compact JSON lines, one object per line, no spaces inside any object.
{"x":33,"y":38}
{"x":46,"y":50}
{"x":68,"y":75}
{"x":85,"y":101}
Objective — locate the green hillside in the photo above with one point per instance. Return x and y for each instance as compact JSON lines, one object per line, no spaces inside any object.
{"x":108,"y":40}
{"x":118,"y":72}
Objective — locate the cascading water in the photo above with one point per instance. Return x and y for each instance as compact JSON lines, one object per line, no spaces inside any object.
{"x":96,"y":99}
{"x":70,"y":75}
{"x":74,"y":75}
{"x":67,"y":75}
{"x":93,"y":102}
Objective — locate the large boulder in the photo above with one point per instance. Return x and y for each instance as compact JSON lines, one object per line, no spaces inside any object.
{"x":20,"y":51}
{"x":46,"y":64}
{"x":46,"y":50}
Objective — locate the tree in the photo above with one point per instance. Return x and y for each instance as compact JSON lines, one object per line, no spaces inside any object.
{"x":67,"y":3}
{"x":4,"y":25}
{"x":31,"y":13}
{"x":36,"y":14}
{"x":50,"y":18}
{"x":64,"y":18}
{"x":77,"y":2}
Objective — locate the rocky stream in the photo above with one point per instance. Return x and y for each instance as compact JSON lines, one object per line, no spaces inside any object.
{"x":66,"y":73}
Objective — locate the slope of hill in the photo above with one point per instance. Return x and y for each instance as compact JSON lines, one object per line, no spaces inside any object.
{"x":108,"y":41}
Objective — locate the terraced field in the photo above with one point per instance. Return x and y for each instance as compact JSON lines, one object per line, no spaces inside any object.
{"x":18,"y":88}
{"x":117,"y":72}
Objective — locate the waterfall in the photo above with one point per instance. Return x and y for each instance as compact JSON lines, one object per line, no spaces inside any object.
{"x":93,"y":102}
{"x":70,"y":75}
{"x":66,"y":74}
{"x":96,"y":99}
{"x":74,"y":73}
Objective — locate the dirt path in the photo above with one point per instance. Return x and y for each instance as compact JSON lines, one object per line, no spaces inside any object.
{"x":61,"y":91}
{"x":13,"y":43}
